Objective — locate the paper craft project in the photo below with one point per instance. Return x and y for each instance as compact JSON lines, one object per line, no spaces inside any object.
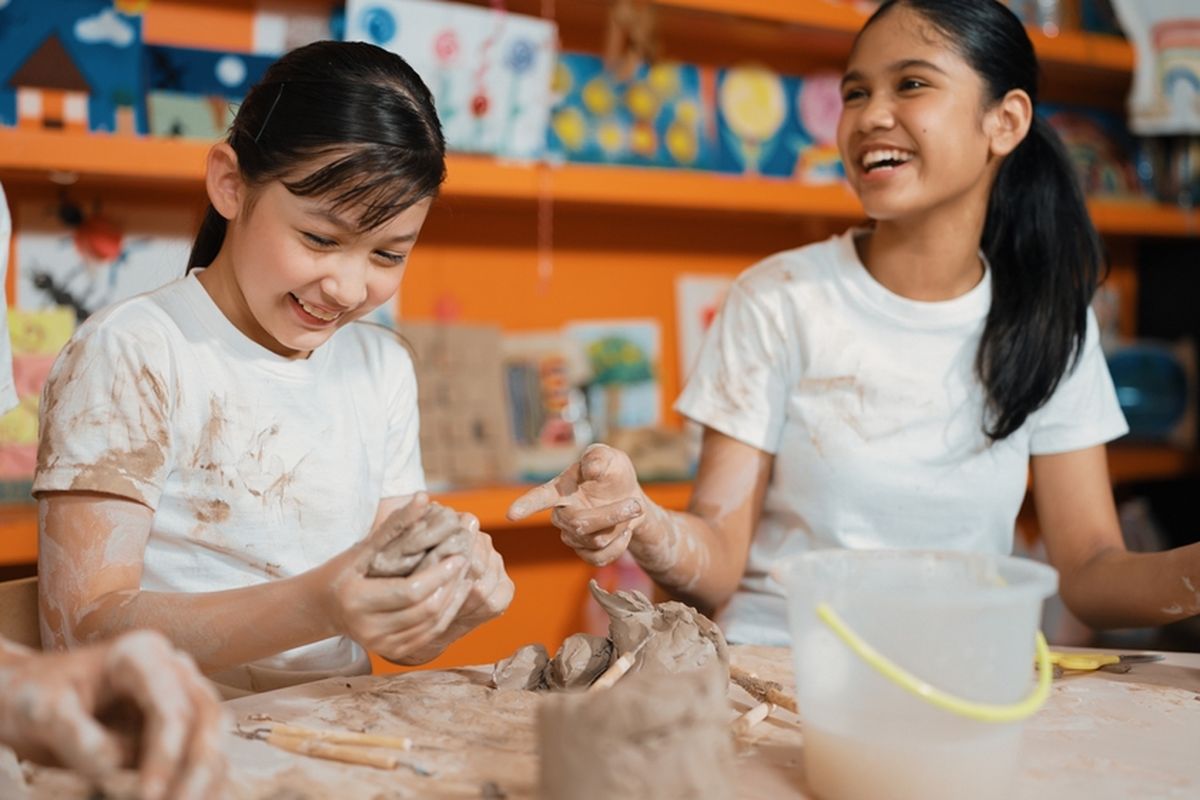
{"x":657,"y":118}
{"x":109,"y":253}
{"x":776,"y":125}
{"x":624,"y":390}
{"x":489,"y":70}
{"x":1165,"y":98}
{"x":70,"y":65}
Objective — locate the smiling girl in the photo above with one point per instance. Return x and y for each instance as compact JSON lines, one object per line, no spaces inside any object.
{"x":218,"y":457}
{"x":893,"y":386}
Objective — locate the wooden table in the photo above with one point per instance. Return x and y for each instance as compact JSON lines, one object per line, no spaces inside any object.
{"x":1101,"y":735}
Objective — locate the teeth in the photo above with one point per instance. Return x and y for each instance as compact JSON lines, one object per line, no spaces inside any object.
{"x":321,"y":315}
{"x":874,"y":157}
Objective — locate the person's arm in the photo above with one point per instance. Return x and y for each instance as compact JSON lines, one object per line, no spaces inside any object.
{"x":698,"y":555}
{"x":1102,"y":583}
{"x":133,"y":701}
{"x":90,"y":565}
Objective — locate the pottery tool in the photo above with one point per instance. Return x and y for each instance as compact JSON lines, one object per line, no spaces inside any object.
{"x":347,"y":754}
{"x":617,"y":668}
{"x":344,"y":737}
{"x":1090,"y":662}
{"x":763,"y":691}
{"x":746,"y":721}
{"x":349,"y":747}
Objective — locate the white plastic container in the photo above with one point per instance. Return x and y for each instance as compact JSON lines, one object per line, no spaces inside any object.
{"x":964,"y":623}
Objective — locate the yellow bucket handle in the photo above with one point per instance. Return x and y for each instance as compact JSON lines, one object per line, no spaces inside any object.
{"x":982,"y":712}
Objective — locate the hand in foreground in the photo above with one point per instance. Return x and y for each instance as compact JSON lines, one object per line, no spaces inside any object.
{"x":132,"y":702}
{"x":597,"y":504}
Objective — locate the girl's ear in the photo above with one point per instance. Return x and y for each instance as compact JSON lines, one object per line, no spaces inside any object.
{"x":1008,"y":122}
{"x":223,"y":180}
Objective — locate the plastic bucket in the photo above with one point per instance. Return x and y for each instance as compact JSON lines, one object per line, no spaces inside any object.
{"x":914,"y":669}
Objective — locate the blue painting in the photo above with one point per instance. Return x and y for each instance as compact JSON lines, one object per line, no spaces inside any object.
{"x":70,"y":64}
{"x":190,"y":93}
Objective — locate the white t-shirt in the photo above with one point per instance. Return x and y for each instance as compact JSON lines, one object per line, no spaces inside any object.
{"x":256,"y":466}
{"x":8,"y":391}
{"x":870,"y":404}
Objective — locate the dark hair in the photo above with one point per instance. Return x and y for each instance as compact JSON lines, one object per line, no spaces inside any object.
{"x":1044,"y":253}
{"x":355,"y":102}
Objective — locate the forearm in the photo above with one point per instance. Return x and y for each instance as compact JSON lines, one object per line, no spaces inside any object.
{"x":686,"y":555}
{"x":221,"y":629}
{"x":1118,"y":589}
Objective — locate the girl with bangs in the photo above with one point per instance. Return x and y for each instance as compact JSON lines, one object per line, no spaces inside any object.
{"x":221,"y":459}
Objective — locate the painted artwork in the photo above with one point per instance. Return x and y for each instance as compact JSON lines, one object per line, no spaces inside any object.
{"x":1100,"y":147}
{"x":698,"y":298}
{"x":778,"y":126}
{"x":489,"y":70}
{"x":283,"y":25}
{"x":623,"y":390}
{"x":36,"y":336}
{"x":71,"y":65}
{"x":192,"y":93}
{"x":1165,"y":98}
{"x":85,"y":256}
{"x":657,"y":118}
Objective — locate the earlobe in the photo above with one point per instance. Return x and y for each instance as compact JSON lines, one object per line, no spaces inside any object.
{"x":1009,"y":122}
{"x":223,"y":180}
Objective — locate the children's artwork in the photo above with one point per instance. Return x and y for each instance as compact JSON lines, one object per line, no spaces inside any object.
{"x":623,"y":391}
{"x":657,"y":118}
{"x":36,"y":336}
{"x":776,"y":125}
{"x":489,"y":70}
{"x":1165,"y":98}
{"x":70,"y":65}
{"x":1100,"y":148}
{"x":283,"y":25}
{"x":698,"y":298}
{"x":191,"y":93}
{"x":88,"y":256}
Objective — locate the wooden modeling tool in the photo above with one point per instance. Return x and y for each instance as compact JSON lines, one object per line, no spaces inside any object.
{"x":746,"y":721}
{"x":348,"y":747}
{"x":763,"y":691}
{"x":617,"y":668}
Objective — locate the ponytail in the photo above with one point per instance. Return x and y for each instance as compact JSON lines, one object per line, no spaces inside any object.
{"x":208,"y":240}
{"x":1045,"y":258}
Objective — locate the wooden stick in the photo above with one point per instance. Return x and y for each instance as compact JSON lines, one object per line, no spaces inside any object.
{"x":344,"y":737}
{"x":763,"y":691}
{"x":743,"y":724}
{"x":614,"y":671}
{"x":333,"y":752}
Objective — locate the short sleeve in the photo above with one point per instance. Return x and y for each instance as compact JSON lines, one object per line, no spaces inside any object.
{"x":105,"y":415}
{"x":1084,"y":411}
{"x":403,"y":474}
{"x":739,"y":384}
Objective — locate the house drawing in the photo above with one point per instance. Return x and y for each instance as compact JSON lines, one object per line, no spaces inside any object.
{"x":51,"y":90}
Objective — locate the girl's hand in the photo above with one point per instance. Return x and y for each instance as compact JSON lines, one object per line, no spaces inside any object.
{"x":597,"y":504}
{"x":133,"y":701}
{"x":395,"y":617}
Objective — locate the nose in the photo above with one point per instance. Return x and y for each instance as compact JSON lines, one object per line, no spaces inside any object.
{"x":876,"y":114}
{"x":346,"y":284}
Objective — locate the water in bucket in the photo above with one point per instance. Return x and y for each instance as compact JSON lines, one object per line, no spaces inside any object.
{"x":964,"y":623}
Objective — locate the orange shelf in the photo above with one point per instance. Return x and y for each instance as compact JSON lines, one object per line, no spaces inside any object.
{"x":18,"y":521}
{"x":1130,"y":463}
{"x":133,"y":161}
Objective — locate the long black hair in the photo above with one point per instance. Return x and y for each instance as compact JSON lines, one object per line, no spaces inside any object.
{"x":1044,"y":252}
{"x":357,"y":103}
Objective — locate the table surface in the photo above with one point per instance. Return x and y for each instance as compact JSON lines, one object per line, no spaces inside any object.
{"x":1100,"y":735}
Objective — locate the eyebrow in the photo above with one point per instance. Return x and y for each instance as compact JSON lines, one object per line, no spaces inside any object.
{"x":341,"y":224}
{"x":896,"y":66}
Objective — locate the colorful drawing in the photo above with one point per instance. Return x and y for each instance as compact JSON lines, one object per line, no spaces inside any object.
{"x":777,"y":125}
{"x":698,"y":298}
{"x":1165,"y":98}
{"x":70,"y":65}
{"x":87,"y":256}
{"x":36,"y":336}
{"x":623,"y":391}
{"x":656,"y":118}
{"x":489,"y":70}
{"x":190,"y":93}
{"x":1100,"y":147}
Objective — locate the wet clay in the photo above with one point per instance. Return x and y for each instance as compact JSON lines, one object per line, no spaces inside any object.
{"x":434,"y":537}
{"x":672,"y":638}
{"x":650,"y":735}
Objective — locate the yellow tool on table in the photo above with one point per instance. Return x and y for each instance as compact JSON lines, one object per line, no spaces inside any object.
{"x":1112,"y":662}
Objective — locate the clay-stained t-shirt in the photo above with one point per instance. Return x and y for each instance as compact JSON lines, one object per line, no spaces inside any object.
{"x":256,"y":466}
{"x":871,"y":407}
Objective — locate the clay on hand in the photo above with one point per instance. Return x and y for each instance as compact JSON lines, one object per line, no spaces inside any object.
{"x":433,"y":538}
